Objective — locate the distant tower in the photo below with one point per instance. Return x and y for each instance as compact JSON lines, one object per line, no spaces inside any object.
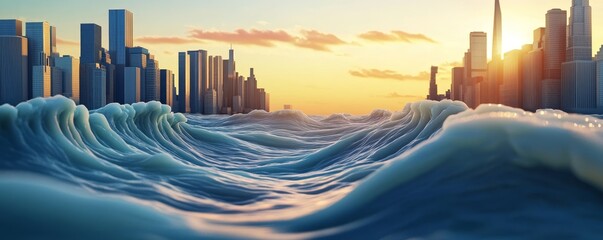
{"x":433,"y":86}
{"x":495,"y":68}
{"x":497,"y":36}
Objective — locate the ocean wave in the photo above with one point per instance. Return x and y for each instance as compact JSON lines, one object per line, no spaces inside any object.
{"x":432,"y":170}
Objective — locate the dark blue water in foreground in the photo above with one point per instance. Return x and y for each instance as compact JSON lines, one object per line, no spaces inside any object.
{"x":430,"y":171}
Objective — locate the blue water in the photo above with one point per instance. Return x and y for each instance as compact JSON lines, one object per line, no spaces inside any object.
{"x":430,"y":171}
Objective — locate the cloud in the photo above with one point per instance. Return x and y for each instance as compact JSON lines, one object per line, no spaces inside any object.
{"x":61,"y":41}
{"x":310,"y":39}
{"x":389,"y":74}
{"x":395,"y":36}
{"x":397,"y":95}
{"x":165,"y":40}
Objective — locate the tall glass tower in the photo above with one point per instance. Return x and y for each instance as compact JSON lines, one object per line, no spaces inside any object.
{"x":121,"y":27}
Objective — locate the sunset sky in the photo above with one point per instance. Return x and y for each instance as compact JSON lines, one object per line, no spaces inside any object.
{"x":321,"y":56}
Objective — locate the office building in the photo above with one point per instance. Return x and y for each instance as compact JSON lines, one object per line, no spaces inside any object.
{"x":53,"y":42}
{"x":251,"y":92}
{"x":433,"y":86}
{"x":599,"y":76}
{"x":14,"y":70}
{"x":56,"y":79}
{"x":210,"y":101}
{"x":216,"y":79}
{"x":184,"y":82}
{"x":70,"y":67}
{"x":38,"y":35}
{"x":93,"y":86}
{"x":198,"y":79}
{"x":41,"y":81}
{"x":151,"y":80}
{"x":132,"y":79}
{"x":478,"y":70}
{"x":167,"y":87}
{"x":90,"y":43}
{"x":457,"y":83}
{"x":11,"y":27}
{"x":533,"y":69}
{"x":554,"y":56}
{"x":578,"y":74}
{"x":121,"y":34}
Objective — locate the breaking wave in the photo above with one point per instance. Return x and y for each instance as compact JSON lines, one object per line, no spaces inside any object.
{"x":433,"y":170}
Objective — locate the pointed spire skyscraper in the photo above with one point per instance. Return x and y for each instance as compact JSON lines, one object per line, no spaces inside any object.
{"x":497,"y":34}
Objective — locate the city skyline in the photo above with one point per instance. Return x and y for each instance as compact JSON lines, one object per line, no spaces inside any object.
{"x":369,"y":69}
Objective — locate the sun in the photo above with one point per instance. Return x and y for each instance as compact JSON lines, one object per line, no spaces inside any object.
{"x":513,"y":40}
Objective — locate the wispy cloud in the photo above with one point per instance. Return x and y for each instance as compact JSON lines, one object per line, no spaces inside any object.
{"x":165,"y":40}
{"x":395,"y":36}
{"x":310,"y":39}
{"x":397,"y":95}
{"x":61,"y":41}
{"x":389,"y":74}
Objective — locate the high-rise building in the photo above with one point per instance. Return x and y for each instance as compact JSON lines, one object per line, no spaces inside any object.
{"x":479,"y":68}
{"x":167,"y":86}
{"x":228,"y":87}
{"x":216,"y":79}
{"x":152,"y":81}
{"x":578,"y":74}
{"x":497,"y":33}
{"x":56,"y":79}
{"x":251,"y":97}
{"x":554,"y":55}
{"x":41,"y":81}
{"x":93,"y":85}
{"x":121,"y":37}
{"x":14,"y":83}
{"x":11,"y":27}
{"x":70,"y":67}
{"x":533,"y":69}
{"x":53,"y":42}
{"x":511,"y":92}
{"x":132,"y":79}
{"x":90,"y":43}
{"x":210,"y":101}
{"x":433,"y":86}
{"x":38,"y":35}
{"x":198,"y":79}
{"x":491,"y":90}
{"x":111,"y":71}
{"x":599,"y":71}
{"x":458,"y":74}
{"x":184,"y":82}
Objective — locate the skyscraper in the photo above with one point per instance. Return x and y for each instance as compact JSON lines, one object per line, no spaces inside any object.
{"x":41,"y":81}
{"x":167,"y":85}
{"x":433,"y":86}
{"x":217,"y":79}
{"x":70,"y":67}
{"x":578,"y":78}
{"x":38,"y":35}
{"x":599,"y":69}
{"x":90,"y":43}
{"x":554,"y":55}
{"x":457,"y":83}
{"x":53,"y":42}
{"x":152,"y":81}
{"x":14,"y":83}
{"x":56,"y":77}
{"x":184,"y":82}
{"x":93,"y":86}
{"x":491,"y":90}
{"x":479,"y":68}
{"x":497,"y":33}
{"x":11,"y":27}
{"x":534,"y":72}
{"x":121,"y":28}
{"x":511,"y":92}
{"x":132,"y":79}
{"x":198,"y":79}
